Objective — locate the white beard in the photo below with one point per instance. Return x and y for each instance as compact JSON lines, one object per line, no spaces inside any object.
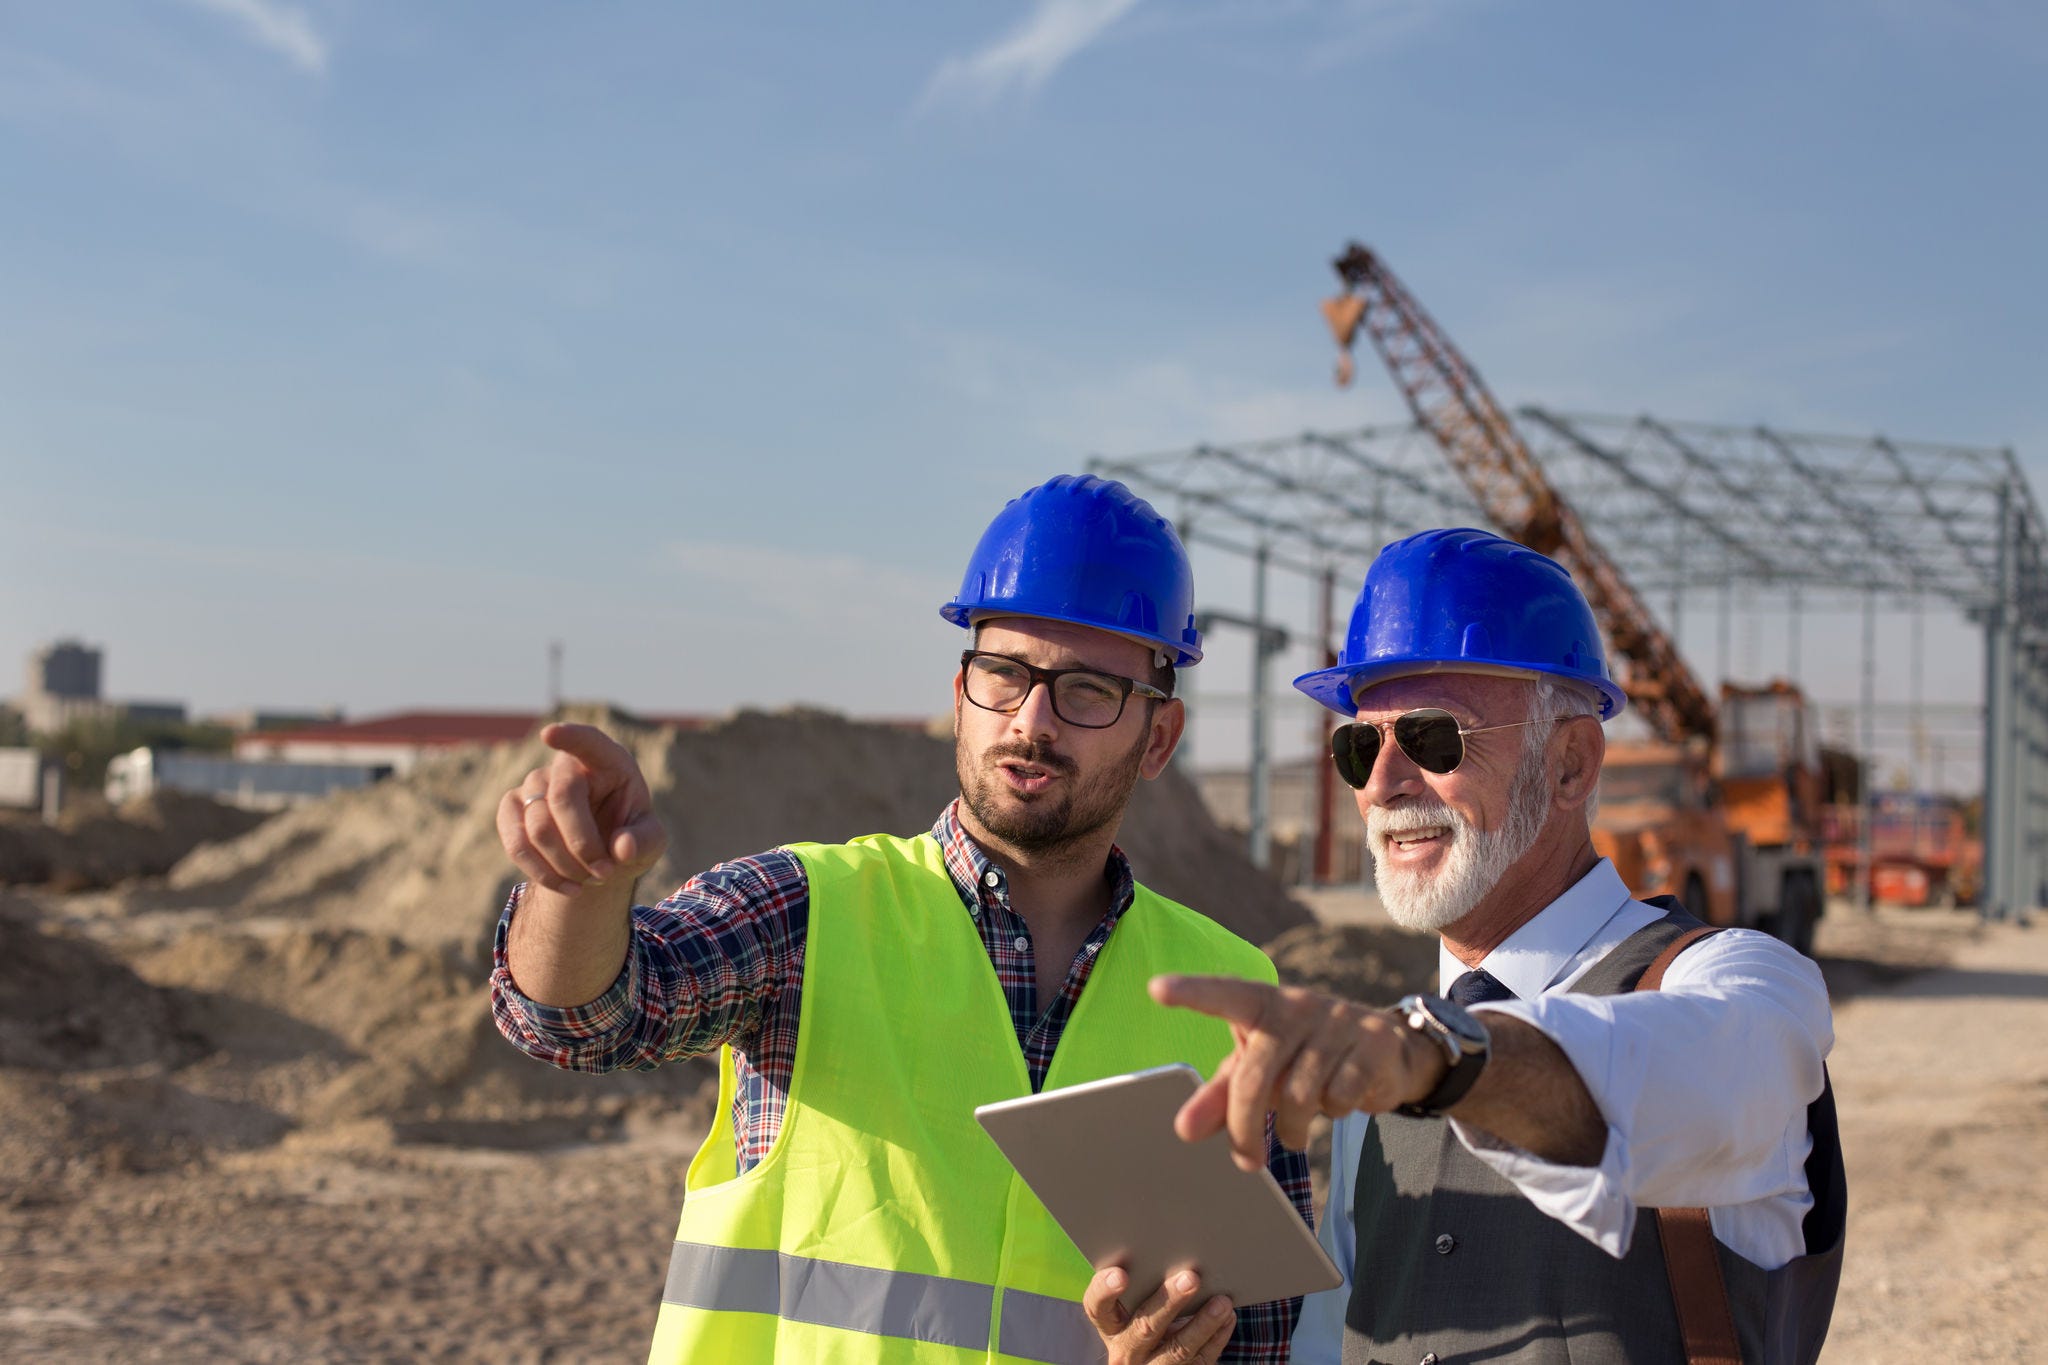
{"x":1474,"y":860}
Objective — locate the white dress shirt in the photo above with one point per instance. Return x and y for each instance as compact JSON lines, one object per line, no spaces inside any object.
{"x":1704,"y":1084}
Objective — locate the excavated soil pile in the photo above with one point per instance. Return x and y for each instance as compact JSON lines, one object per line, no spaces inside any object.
{"x":324,"y":971}
{"x":95,"y":845}
{"x":1369,"y":962}
{"x":84,"y":1046}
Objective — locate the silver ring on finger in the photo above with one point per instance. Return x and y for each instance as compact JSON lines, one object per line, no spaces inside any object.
{"x":526,"y":801}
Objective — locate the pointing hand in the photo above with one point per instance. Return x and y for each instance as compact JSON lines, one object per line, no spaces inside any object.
{"x":584,"y":818}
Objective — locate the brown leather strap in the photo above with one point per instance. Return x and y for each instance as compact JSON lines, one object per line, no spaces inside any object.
{"x":1690,"y":1262}
{"x":1653,"y":975}
{"x":1694,"y":1269}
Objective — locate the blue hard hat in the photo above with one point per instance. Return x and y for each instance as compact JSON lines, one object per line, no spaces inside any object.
{"x":1466,"y":601}
{"x":1088,"y":551}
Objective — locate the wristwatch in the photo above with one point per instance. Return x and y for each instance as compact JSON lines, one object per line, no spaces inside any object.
{"x":1465,"y":1044}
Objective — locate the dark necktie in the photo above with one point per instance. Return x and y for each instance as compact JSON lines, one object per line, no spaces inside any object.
{"x":1478,"y":988}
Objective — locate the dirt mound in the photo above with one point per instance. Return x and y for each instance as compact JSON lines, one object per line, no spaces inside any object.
{"x":419,"y":859}
{"x":227,"y":1038}
{"x":333,"y":1025}
{"x":96,"y":845}
{"x":87,"y":1047}
{"x":324,"y":971}
{"x":67,"y":1004}
{"x":1369,"y":963}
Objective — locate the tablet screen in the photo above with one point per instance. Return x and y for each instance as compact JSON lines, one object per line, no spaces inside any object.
{"x":1106,"y":1163}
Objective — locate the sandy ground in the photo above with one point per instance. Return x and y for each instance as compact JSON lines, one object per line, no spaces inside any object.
{"x":372,"y":1241}
{"x":1942,"y":1081}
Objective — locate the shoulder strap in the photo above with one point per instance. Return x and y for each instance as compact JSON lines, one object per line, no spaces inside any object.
{"x":1690,"y":1262}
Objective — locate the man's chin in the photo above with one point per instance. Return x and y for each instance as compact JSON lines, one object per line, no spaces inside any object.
{"x":1420,"y":913}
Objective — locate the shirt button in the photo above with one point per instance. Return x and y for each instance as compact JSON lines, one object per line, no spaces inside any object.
{"x":1022,"y":943}
{"x":1092,"y":947}
{"x":1446,"y":1244}
{"x":991,"y":879}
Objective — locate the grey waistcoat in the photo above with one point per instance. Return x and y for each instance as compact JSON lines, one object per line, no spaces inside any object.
{"x":1453,"y":1264}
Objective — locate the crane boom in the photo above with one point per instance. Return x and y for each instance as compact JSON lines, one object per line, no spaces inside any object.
{"x":1450,"y":400}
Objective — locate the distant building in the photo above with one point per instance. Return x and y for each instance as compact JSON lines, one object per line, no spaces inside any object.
{"x":21,"y":778}
{"x":63,"y":686}
{"x":65,"y":670}
{"x":251,"y":719}
{"x":397,"y":742}
{"x":400,"y":741}
{"x":250,"y":784}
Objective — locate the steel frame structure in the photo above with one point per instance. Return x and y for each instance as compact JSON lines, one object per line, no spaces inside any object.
{"x":1823,"y":520}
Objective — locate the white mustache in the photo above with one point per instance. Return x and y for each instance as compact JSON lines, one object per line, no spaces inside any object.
{"x":1383,"y":824}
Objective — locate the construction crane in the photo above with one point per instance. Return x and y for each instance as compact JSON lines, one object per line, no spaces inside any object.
{"x":1732,"y":833}
{"x":1452,"y":403}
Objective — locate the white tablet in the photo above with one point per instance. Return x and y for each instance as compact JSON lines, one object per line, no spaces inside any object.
{"x":1105,"y":1161}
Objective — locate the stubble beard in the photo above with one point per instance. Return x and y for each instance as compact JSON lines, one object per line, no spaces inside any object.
{"x":1045,"y":825}
{"x":1475,"y":861}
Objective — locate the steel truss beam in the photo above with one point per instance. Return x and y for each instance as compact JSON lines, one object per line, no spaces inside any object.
{"x":1679,"y":505}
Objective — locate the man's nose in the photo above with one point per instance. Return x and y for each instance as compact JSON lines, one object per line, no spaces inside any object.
{"x":1393,"y":775}
{"x":1034,"y":716}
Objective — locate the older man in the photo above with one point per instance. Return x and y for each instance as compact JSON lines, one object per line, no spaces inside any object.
{"x":865,"y":997}
{"x":1501,"y":1201}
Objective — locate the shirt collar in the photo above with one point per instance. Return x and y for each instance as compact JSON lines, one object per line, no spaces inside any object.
{"x":1536,"y":956}
{"x":971,"y":869}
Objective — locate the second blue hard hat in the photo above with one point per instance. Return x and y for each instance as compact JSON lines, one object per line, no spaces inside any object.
{"x":1090,"y":552}
{"x":1466,"y":601}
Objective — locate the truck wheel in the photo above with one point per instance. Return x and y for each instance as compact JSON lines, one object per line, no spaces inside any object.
{"x":1798,"y":911}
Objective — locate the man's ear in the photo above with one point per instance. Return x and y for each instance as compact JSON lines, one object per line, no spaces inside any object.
{"x":1169,"y":721}
{"x":1581,"y":745}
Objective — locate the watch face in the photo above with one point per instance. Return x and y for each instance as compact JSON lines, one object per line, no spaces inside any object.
{"x":1459,"y":1021}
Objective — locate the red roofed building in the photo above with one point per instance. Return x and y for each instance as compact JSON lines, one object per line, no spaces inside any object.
{"x":399,"y":741}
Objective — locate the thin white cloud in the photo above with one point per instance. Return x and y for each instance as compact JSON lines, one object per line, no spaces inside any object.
{"x":284,"y":29}
{"x":1026,"y":57}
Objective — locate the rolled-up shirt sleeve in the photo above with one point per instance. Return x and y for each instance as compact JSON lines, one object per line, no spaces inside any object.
{"x":700,"y":969}
{"x":1704,"y":1086}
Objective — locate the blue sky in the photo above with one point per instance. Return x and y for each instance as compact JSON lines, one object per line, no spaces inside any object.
{"x":350,"y":352}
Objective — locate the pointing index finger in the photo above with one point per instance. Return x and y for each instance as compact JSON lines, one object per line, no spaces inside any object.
{"x":1226,"y":997}
{"x":586,"y":742}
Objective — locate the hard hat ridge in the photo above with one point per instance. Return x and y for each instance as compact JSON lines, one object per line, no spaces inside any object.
{"x":1466,"y":601}
{"x":1085,"y":550}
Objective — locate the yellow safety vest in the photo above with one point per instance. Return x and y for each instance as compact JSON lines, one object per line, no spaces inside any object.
{"x":883,"y":1226}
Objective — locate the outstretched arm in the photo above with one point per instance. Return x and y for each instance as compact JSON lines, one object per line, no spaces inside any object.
{"x":1301,"y":1052}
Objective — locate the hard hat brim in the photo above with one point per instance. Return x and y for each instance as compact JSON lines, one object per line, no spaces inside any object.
{"x":1338,"y":688}
{"x":967,"y":617}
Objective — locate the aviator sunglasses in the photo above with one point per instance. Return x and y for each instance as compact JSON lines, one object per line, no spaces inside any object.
{"x":1431,"y":737}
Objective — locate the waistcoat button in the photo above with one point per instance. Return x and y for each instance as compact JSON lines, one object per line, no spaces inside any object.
{"x":1446,"y":1244}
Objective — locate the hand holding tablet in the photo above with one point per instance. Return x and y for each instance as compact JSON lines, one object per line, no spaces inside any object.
{"x":1105,"y":1161}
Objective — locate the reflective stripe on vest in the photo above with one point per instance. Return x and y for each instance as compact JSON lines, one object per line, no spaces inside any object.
{"x":889,"y":1303}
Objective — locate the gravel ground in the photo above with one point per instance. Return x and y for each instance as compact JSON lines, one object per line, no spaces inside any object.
{"x":359,"y":1242}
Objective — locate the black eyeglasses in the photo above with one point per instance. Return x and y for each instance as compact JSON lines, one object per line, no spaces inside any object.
{"x":1080,"y":696}
{"x":1432,"y":737}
